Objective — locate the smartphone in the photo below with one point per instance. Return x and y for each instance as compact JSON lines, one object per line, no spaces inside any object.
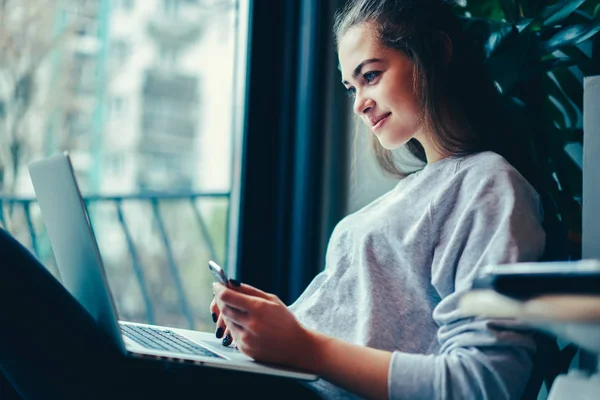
{"x":218,"y":273}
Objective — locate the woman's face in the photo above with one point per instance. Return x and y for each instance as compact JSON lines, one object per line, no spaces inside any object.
{"x":381,"y":81}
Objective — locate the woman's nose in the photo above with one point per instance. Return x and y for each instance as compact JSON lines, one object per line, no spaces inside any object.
{"x":362,"y":104}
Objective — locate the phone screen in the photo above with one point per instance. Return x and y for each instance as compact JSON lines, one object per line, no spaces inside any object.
{"x":218,"y":273}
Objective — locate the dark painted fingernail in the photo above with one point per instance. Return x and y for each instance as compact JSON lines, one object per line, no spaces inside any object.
{"x":219,"y":333}
{"x":214,"y":317}
{"x":227,"y":341}
{"x":235,"y":283}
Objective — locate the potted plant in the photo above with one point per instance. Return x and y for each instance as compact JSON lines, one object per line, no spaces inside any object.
{"x":538,"y":54}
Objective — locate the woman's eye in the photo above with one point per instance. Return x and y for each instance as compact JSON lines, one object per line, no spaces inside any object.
{"x":371,"y":76}
{"x":351,"y":92}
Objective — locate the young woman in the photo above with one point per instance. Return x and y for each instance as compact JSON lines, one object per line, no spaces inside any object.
{"x":381,"y":320}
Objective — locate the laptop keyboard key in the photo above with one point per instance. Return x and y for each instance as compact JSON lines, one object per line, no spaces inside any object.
{"x":166,"y":340}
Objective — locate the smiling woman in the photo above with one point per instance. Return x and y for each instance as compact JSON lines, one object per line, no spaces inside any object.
{"x":396,"y":269}
{"x":381,"y":320}
{"x":440,"y":82}
{"x":381,"y":81}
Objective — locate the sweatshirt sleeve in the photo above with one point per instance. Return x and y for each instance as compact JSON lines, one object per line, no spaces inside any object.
{"x":493,"y":217}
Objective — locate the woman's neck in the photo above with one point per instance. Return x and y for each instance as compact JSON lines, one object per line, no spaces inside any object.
{"x":432,"y":152}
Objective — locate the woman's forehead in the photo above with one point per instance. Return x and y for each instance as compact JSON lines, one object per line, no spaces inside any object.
{"x":356,"y":45}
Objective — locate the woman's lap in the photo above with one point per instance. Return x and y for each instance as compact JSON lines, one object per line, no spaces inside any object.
{"x":50,"y":345}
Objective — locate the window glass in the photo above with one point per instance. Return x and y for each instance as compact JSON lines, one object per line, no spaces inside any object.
{"x":141,"y":94}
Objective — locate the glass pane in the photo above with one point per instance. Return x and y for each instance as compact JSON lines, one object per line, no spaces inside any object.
{"x":141,"y":93}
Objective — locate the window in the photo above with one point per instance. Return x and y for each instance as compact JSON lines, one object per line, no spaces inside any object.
{"x":115,"y":164}
{"x":77,"y":132}
{"x":83,"y":73}
{"x":118,"y":107}
{"x":119,"y":53}
{"x":127,"y":5}
{"x":183,"y":103}
{"x":87,"y":27}
{"x":171,"y":154}
{"x":168,"y":57}
{"x":171,"y":7}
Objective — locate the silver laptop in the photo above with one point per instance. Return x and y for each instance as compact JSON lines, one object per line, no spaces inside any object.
{"x":82,"y":272}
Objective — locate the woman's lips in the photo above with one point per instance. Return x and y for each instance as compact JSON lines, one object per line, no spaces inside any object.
{"x":380,"y":123}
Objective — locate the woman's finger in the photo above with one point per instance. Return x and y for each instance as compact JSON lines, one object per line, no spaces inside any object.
{"x":223,"y":322}
{"x":227,"y":339}
{"x":221,"y":327}
{"x":249,"y":290}
{"x":236,"y":299}
{"x":236,"y":316}
{"x":233,"y":331}
{"x":214,"y":310}
{"x":232,"y":314}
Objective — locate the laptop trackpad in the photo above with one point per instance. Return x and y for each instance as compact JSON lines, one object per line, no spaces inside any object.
{"x":229,"y":352}
{"x":212,"y":343}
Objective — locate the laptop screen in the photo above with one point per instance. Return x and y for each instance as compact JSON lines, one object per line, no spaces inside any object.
{"x":73,"y":242}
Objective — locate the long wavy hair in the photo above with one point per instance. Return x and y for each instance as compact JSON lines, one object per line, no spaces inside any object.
{"x":459,"y":102}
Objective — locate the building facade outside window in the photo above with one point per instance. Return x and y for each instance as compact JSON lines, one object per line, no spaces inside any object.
{"x":141,"y":94}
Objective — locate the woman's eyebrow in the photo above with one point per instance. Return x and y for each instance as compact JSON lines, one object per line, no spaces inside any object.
{"x":360,"y":67}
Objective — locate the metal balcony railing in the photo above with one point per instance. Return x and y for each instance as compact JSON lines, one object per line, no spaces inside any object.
{"x":12,"y":205}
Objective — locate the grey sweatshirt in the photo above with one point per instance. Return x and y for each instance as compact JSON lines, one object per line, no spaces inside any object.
{"x":395,"y":270}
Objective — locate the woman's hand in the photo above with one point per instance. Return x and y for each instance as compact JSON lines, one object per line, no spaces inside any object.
{"x":262,"y":326}
{"x":264,"y":329}
{"x":221,"y":327}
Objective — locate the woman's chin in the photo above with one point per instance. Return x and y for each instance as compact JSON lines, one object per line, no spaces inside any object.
{"x":390,"y":143}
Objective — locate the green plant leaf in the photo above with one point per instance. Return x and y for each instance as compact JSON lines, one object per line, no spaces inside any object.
{"x":570,"y":35}
{"x":569,"y":173}
{"x":523,"y":24}
{"x":498,"y":38}
{"x":557,"y":62}
{"x":574,"y":135}
{"x":584,"y":63}
{"x":541,"y":88}
{"x":488,"y":34}
{"x":549,"y":32}
{"x":575,"y":152}
{"x":558,"y":100}
{"x":555,"y":114}
{"x":556,"y":12}
{"x":577,"y":17}
{"x":516,"y":103}
{"x":532,"y":8}
{"x":510,"y":11}
{"x":516,"y":59}
{"x":485,"y":9}
{"x":570,"y":85}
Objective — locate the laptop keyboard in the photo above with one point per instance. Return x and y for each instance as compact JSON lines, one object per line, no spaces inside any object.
{"x":166,"y":340}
